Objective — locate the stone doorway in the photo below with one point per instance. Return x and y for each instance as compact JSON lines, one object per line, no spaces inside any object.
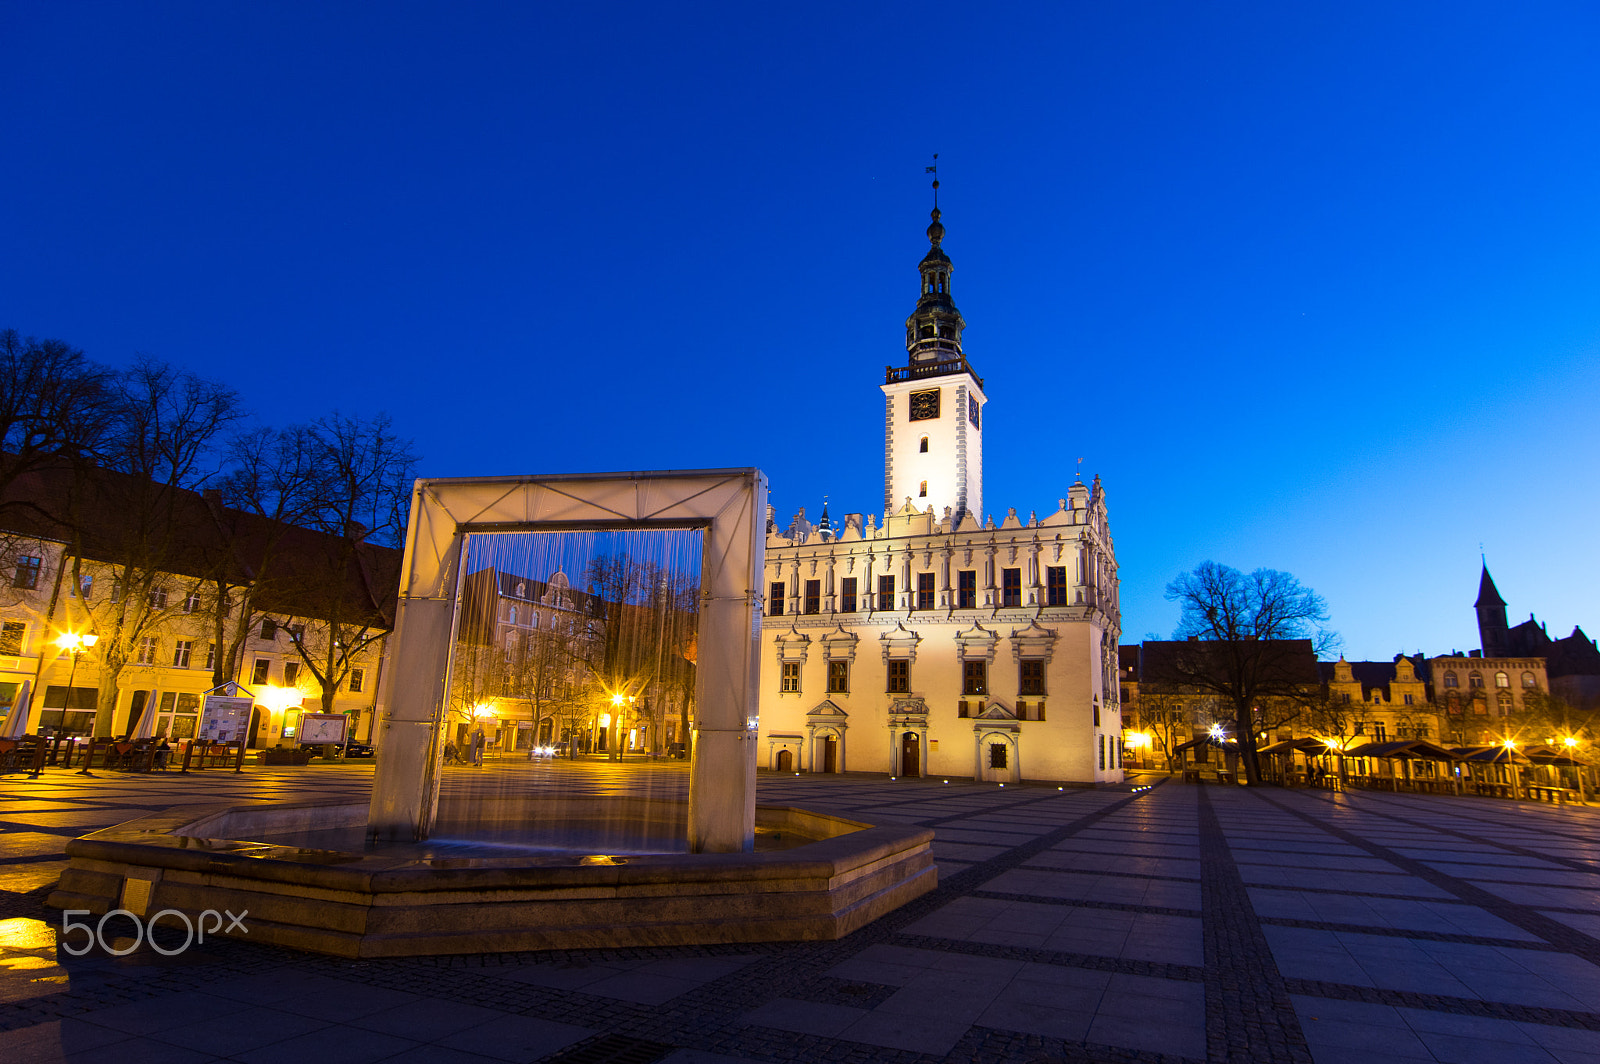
{"x":785,"y":761}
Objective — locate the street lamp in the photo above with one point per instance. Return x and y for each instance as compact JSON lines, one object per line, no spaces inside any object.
{"x":76,"y":643}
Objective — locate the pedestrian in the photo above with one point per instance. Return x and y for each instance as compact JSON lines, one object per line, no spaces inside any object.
{"x":477,"y":746}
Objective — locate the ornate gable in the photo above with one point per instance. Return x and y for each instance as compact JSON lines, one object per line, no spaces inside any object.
{"x":1033,"y":642}
{"x":840,"y":645}
{"x":976,"y":644}
{"x":899,"y":644}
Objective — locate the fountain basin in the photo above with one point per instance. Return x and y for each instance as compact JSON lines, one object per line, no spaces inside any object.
{"x":380,"y":903}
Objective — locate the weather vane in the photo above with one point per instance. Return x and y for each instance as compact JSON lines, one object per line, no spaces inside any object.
{"x":934,"y":170}
{"x":1078,"y":476}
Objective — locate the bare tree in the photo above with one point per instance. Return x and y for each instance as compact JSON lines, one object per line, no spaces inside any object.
{"x":1248,"y":639}
{"x":136,"y":519}
{"x":55,"y":406}
{"x":362,"y":474}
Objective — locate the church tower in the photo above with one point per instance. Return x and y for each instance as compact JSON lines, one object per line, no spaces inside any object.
{"x":1493,"y":632}
{"x":933,"y":405}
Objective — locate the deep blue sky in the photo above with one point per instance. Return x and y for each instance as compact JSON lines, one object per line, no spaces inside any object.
{"x":1312,"y":286}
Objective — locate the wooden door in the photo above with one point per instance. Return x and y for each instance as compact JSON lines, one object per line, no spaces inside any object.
{"x":830,"y":754}
{"x":910,"y":755}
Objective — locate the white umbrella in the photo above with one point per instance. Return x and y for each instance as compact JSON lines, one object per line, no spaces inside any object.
{"x":16,"y":725}
{"x":147,"y":720}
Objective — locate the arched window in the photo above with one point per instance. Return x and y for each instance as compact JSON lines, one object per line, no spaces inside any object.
{"x":513,"y":617}
{"x":923,"y":447}
{"x":1475,"y":679}
{"x":923,"y":493}
{"x":1450,"y":680}
{"x":1502,"y":680}
{"x":533,"y":619}
{"x":1528,"y":680}
{"x":522,"y":589}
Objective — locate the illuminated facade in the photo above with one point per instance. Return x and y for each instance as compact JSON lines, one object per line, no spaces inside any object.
{"x":938,"y":642}
{"x":48,"y":595}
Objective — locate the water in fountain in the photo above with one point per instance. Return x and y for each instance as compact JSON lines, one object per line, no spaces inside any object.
{"x":570,"y":693}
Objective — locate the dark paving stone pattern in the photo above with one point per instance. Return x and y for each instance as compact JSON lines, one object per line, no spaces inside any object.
{"x":1169,"y":924}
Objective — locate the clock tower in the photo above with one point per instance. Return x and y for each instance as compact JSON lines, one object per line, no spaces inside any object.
{"x":933,"y":405}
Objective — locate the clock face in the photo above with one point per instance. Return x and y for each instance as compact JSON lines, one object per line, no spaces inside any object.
{"x":925,"y":405}
{"x":973,"y":412}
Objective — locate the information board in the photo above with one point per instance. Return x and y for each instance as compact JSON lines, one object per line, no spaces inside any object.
{"x":317,"y":728}
{"x":224,"y":718}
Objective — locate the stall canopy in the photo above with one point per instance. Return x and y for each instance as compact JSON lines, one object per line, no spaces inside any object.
{"x":1307,"y":746}
{"x":1411,"y":749}
{"x":1489,"y":755}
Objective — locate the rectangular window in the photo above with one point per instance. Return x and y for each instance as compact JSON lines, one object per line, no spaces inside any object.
{"x":1022,"y":711}
{"x":27,"y":575}
{"x":838,"y":677}
{"x":147,"y":650}
{"x":1055,"y":585}
{"x":1408,"y":700}
{"x":924,"y":591}
{"x":158,"y":598}
{"x":211,"y":657}
{"x":1011,"y":587}
{"x":791,"y":677}
{"x":847,"y":595}
{"x":116,"y":589}
{"x":1380,"y":732}
{"x":963,"y":709}
{"x":899,"y":676}
{"x":775,"y":599}
{"x":1102,"y":751}
{"x":180,"y":653}
{"x":11,"y":634}
{"x":1031,"y":682}
{"x":966,"y":589}
{"x":291,"y":673}
{"x":813,"y":596}
{"x":269,"y":628}
{"x":975,"y":677}
{"x":262,"y":671}
{"x":191,"y":602}
{"x":885,"y":592}
{"x":997,"y":755}
{"x":358,"y":677}
{"x":85,"y":585}
{"x":1038,"y":711}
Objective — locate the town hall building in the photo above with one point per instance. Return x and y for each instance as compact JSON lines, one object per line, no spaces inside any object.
{"x":935,"y":642}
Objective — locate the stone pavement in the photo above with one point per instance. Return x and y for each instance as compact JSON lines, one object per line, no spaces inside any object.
{"x":1174,"y":923}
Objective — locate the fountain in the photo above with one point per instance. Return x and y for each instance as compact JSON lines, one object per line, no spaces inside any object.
{"x":405,"y":897}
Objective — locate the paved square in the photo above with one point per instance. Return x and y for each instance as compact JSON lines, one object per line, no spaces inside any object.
{"x":1179,"y":923}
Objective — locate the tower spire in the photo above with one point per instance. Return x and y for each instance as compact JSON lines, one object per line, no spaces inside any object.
{"x":933,"y":332}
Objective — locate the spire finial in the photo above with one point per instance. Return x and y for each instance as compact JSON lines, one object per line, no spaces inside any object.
{"x":934,"y":170}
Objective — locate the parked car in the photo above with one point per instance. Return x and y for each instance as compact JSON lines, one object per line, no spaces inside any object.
{"x":350,"y":749}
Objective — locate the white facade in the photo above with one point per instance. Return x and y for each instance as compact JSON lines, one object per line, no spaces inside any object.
{"x":932,"y":644}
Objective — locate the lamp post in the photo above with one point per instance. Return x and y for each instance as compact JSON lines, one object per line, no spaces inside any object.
{"x":76,"y":643}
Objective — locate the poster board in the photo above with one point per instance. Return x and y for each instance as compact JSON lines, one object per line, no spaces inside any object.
{"x":224,"y":718}
{"x":318,"y":728}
